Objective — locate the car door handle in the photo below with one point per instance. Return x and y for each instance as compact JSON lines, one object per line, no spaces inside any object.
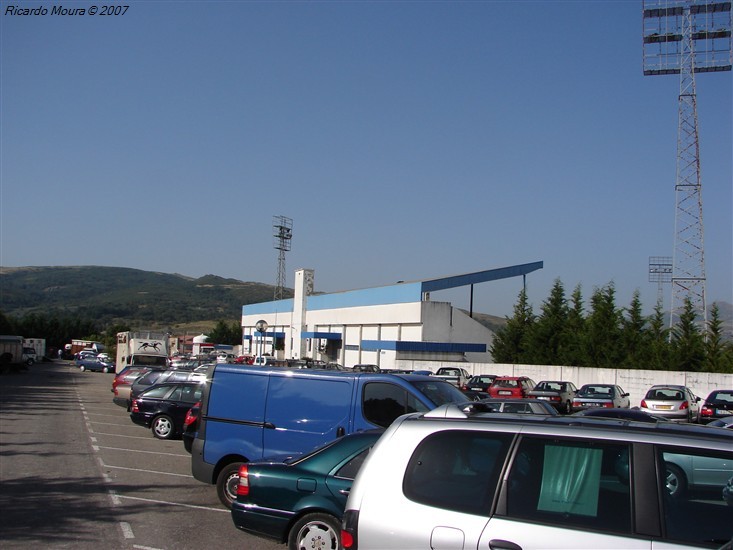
{"x":344,"y":491}
{"x":499,"y":544}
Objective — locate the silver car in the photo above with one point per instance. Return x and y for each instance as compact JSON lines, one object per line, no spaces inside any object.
{"x":672,"y":402}
{"x":449,"y":478}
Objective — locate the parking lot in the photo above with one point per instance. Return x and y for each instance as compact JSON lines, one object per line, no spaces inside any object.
{"x":77,"y":473}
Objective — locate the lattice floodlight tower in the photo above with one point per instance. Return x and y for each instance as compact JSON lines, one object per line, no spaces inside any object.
{"x":283,"y":233}
{"x":686,"y":37}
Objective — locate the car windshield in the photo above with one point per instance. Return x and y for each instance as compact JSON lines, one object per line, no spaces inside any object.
{"x":440,"y":392}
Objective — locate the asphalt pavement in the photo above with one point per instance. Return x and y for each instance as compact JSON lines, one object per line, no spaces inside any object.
{"x":75,"y":472}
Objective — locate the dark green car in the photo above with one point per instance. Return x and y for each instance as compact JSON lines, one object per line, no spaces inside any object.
{"x":301,"y":500}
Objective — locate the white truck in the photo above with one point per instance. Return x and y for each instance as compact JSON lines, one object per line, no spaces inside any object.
{"x":147,"y":349}
{"x":458,"y":376}
{"x":11,"y":354}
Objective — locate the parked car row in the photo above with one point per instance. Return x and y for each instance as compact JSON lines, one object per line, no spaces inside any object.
{"x":159,"y":399}
{"x":673,"y":402}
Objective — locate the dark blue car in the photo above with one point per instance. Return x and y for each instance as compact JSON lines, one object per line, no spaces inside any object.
{"x":300,"y":501}
{"x":94,"y":364}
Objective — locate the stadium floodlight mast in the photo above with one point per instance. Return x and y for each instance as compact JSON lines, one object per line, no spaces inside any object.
{"x":283,"y":229}
{"x":660,"y":272}
{"x":686,"y":37}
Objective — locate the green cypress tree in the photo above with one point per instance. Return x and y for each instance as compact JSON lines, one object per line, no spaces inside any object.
{"x":656,"y":340}
{"x":718,"y":352}
{"x":509,"y":343}
{"x":603,"y":340}
{"x":688,"y":345}
{"x":544,"y":337}
{"x":571,"y":351}
{"x":632,"y":336}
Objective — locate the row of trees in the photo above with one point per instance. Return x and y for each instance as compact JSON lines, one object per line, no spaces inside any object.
{"x":609,"y":337}
{"x":60,"y":330}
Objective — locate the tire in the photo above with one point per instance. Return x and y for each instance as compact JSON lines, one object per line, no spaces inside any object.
{"x":162,"y":427}
{"x":226,"y":484}
{"x":105,"y":370}
{"x":315,"y":530}
{"x":29,"y":362}
{"x":82,"y":368}
{"x":675,"y":481}
{"x":568,"y":409}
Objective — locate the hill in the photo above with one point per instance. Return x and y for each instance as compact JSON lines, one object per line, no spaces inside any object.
{"x":138,"y":298}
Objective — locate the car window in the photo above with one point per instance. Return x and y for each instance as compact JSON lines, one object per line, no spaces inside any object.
{"x":694,"y":496}
{"x":522,"y":408}
{"x":457,"y":470}
{"x":176,"y":394}
{"x":351,"y":468}
{"x":544,"y":484}
{"x":190,"y":394}
{"x":157,"y":392}
{"x":383,"y":402}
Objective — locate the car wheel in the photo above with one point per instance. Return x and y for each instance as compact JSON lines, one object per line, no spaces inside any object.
{"x":82,"y":368}
{"x":315,"y":531}
{"x":163,"y":427}
{"x":105,"y":370}
{"x":568,"y":407}
{"x":29,"y":362}
{"x":675,"y":481}
{"x":227,"y":482}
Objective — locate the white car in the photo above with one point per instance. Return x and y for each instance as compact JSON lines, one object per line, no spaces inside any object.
{"x":448,"y":479}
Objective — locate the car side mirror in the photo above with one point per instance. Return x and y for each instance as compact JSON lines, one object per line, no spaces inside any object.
{"x":626,"y":395}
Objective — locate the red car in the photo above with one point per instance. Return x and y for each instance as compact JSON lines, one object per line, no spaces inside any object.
{"x":511,"y":386}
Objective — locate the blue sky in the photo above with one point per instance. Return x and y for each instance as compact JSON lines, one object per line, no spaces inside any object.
{"x":406,"y":140}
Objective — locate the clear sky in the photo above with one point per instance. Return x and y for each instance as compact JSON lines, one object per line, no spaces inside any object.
{"x":406,"y":140}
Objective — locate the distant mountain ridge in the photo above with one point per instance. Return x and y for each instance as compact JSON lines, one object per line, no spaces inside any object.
{"x":125,"y":295}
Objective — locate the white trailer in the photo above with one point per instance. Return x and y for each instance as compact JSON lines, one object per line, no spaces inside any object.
{"x":149,"y":349}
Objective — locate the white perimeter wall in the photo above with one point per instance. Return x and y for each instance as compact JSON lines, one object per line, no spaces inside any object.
{"x":636,"y":382}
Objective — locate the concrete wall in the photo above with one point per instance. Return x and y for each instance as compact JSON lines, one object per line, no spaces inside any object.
{"x":635,"y":382}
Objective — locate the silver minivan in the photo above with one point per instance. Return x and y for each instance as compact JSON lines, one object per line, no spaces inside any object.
{"x":455,"y":479}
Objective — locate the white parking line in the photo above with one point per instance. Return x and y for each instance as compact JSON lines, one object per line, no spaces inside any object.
{"x":149,"y":438}
{"x":145,"y":452}
{"x":147,"y":471}
{"x":126,"y":530}
{"x":177,"y":504}
{"x":118,"y":425}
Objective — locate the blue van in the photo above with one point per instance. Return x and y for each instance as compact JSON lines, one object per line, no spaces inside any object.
{"x":250,"y":412}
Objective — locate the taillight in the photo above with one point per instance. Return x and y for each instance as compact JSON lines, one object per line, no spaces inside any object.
{"x":576,"y":403}
{"x":608,"y":405}
{"x":554,"y":398}
{"x":134,"y":408}
{"x":191,"y":416}
{"x":706,"y":411}
{"x":347,"y":541}
{"x":685,"y":405}
{"x":350,"y":530}
{"x":243,"y":487}
{"x":643,"y":404}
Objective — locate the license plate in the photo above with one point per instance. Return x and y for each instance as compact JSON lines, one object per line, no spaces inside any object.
{"x":475,"y":389}
{"x":723,"y":411}
{"x":543,"y":398}
{"x":504,"y":392}
{"x":664,"y":407}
